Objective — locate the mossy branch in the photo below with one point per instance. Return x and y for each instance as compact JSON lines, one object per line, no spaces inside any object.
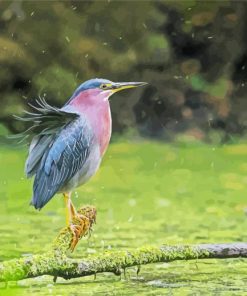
{"x":57,"y":263}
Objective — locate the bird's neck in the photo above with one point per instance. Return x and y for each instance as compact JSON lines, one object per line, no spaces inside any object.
{"x":95,"y":106}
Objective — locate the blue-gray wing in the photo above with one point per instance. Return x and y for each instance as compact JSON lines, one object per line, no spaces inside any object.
{"x":64,"y":158}
{"x":46,"y":124}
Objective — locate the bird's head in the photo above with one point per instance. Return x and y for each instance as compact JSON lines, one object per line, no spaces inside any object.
{"x":102,"y":88}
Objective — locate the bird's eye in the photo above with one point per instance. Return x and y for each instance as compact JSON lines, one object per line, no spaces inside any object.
{"x":103,"y":86}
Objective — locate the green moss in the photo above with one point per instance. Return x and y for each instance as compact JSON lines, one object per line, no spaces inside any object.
{"x":50,"y":262}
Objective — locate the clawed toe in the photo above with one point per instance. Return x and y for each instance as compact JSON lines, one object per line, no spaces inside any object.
{"x":79,"y":227}
{"x":75,"y":229}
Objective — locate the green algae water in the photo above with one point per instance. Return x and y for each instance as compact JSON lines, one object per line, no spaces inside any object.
{"x":146,"y":194}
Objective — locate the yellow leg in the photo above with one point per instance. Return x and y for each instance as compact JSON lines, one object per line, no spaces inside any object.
{"x":69,"y":208}
{"x":67,"y":213}
{"x":73,"y":211}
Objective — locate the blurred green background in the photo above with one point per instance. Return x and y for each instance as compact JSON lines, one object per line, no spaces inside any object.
{"x":193,"y":55}
{"x":176,"y":169}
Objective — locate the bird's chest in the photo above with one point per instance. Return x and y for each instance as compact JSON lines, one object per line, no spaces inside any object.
{"x":104,"y":130}
{"x":101,"y":123}
{"x":98,"y":115}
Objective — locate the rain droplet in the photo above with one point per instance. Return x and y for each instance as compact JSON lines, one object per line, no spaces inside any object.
{"x":130,"y":219}
{"x":132,"y":202}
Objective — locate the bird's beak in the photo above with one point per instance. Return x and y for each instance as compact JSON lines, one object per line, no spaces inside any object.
{"x":124,"y":85}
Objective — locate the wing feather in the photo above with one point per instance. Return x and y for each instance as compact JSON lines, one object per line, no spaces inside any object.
{"x":65,"y":158}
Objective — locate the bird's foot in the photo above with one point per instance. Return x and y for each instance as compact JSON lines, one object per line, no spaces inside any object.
{"x":79,"y":229}
{"x":81,"y":224}
{"x":76,"y":236}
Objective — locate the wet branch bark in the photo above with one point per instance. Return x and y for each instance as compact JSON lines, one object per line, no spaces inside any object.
{"x":57,"y":263}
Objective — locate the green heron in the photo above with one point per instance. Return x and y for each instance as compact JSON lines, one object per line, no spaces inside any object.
{"x":69,"y":143}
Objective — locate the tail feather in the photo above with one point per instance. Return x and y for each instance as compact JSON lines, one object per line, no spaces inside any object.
{"x":43,"y":189}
